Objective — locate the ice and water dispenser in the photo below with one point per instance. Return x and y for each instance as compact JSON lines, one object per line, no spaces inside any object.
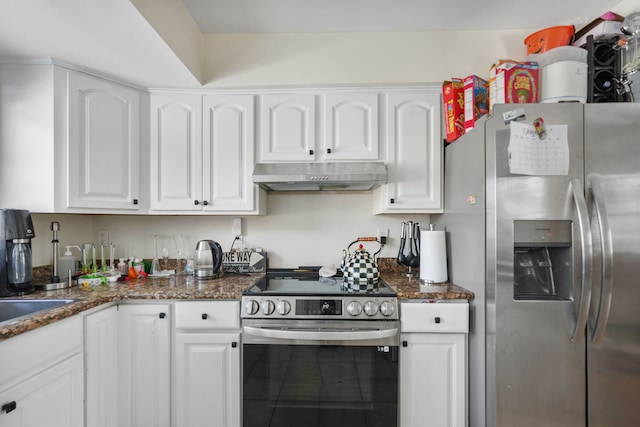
{"x":542,"y":261}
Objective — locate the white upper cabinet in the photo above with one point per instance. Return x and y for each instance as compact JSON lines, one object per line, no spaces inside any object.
{"x":103,"y":145}
{"x":228,"y":153}
{"x":351,"y":126}
{"x":325,"y":126}
{"x":288,"y":123}
{"x":78,"y":136}
{"x":175,"y":159}
{"x":414,"y":154}
{"x":202,"y":154}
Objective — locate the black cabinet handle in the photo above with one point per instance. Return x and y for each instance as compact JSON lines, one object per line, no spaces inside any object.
{"x":328,"y":150}
{"x":204,"y":316}
{"x":205,"y":203}
{"x":162,"y":315}
{"x":135,"y":201}
{"x":405,"y":344}
{"x":196,"y":202}
{"x":392,"y":201}
{"x":438,"y":320}
{"x":311,"y":152}
{"x":9,"y":407}
{"x":234,"y":344}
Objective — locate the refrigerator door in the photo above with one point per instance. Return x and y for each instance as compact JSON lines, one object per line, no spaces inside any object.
{"x":612,"y":167}
{"x":535,"y":371}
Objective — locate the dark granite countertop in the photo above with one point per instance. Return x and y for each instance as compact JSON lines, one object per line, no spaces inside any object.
{"x":409,"y":288}
{"x":227,"y":287}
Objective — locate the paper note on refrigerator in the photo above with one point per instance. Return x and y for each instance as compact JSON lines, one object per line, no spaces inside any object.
{"x":530,"y":155}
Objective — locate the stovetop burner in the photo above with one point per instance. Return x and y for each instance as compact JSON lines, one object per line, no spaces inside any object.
{"x":306,"y":281}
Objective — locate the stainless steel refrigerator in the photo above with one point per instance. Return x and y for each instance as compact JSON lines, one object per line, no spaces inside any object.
{"x":549,"y":241}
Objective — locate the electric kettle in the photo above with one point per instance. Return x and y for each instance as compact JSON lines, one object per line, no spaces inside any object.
{"x":208,"y":260}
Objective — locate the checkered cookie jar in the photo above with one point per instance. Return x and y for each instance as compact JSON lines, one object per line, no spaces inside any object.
{"x":360,"y":271}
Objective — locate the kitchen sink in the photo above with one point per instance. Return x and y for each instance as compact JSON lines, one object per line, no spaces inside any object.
{"x":13,"y":308}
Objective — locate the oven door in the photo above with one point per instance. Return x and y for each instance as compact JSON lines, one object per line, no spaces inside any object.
{"x":320,"y":373}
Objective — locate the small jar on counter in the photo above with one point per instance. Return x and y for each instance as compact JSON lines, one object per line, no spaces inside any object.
{"x":122,"y":266}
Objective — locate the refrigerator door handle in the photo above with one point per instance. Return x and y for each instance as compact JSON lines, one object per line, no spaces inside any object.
{"x":587,"y":255}
{"x":607,"y":260}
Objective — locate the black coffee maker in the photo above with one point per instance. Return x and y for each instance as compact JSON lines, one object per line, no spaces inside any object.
{"x":16,"y":268}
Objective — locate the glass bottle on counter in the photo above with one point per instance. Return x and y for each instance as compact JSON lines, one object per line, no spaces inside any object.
{"x":138,"y":265}
{"x":19,"y":268}
{"x":122,"y":266}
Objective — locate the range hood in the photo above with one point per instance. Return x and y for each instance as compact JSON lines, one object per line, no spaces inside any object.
{"x":320,"y":176}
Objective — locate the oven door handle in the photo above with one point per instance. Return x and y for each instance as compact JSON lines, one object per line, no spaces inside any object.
{"x":320,"y":334}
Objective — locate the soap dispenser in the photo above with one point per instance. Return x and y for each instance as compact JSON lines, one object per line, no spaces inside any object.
{"x":68,"y":262}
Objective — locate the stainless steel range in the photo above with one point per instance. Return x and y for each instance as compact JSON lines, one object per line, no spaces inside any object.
{"x":317,"y":354}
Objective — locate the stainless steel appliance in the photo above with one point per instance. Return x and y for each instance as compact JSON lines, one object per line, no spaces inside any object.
{"x":208,"y":260}
{"x":325,"y":176}
{"x":552,"y":259}
{"x":16,"y":270}
{"x":317,"y":354}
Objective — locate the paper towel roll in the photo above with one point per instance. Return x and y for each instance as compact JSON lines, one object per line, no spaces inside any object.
{"x":433,"y":257}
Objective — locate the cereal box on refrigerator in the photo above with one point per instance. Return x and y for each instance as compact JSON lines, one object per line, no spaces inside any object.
{"x":453,"y":100}
{"x":492,"y":81}
{"x":476,"y":100}
{"x":516,"y":83}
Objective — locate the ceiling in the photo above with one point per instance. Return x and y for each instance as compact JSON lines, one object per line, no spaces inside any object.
{"x":114,"y":38}
{"x":319,"y":16}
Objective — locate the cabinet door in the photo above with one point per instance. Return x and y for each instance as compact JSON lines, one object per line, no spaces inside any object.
{"x":27,"y":123}
{"x":288,"y":127}
{"x":176,"y":152}
{"x":144,"y":365}
{"x":51,"y":398}
{"x":414,"y":155}
{"x":207,"y":379}
{"x":103,"y":148}
{"x":351,"y":131}
{"x":101,"y":368}
{"x":443,"y":388}
{"x":228,"y":153}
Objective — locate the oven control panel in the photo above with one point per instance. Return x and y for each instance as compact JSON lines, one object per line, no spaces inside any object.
{"x":287,"y":307}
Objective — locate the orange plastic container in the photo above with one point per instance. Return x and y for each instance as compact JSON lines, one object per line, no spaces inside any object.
{"x":544,"y":40}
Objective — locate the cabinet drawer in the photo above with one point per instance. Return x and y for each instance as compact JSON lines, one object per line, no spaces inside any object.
{"x":200,"y":315}
{"x":23,"y":355}
{"x":434,"y":317}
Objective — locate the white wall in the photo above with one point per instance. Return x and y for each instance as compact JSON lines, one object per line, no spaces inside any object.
{"x":347,"y":58}
{"x":300,"y":229}
{"x":74,"y":230}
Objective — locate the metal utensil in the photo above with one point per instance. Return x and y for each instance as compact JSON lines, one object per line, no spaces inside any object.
{"x":410,"y":256}
{"x":415,"y":245}
{"x":403,"y":238}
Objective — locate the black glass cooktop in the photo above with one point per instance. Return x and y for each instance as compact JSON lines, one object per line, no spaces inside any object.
{"x":306,"y":281}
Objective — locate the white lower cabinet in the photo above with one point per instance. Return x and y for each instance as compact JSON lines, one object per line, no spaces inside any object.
{"x":101,"y":368}
{"x":41,"y":382}
{"x":132,"y":380}
{"x":51,"y":398}
{"x":207,"y":364}
{"x":144,"y":365}
{"x":433,"y":364}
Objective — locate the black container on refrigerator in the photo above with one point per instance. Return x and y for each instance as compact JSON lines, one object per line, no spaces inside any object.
{"x":603,"y":67}
{"x":16,"y":269}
